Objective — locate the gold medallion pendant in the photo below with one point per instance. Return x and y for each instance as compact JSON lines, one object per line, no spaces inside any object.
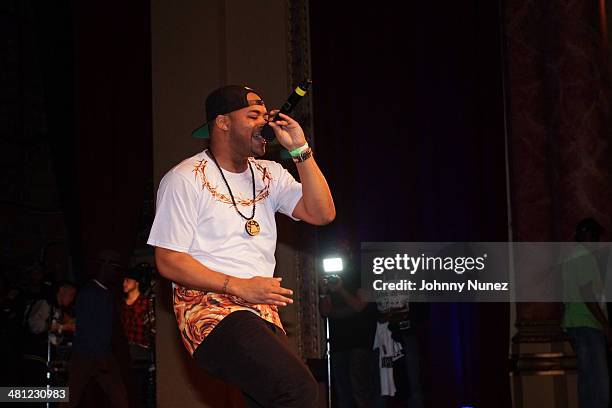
{"x":252,"y":227}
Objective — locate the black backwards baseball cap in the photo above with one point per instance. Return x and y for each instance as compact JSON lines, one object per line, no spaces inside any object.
{"x":589,"y":224}
{"x":139,"y":272}
{"x":224,"y":100}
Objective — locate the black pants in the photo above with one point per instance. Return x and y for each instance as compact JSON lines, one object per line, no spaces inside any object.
{"x":247,"y":351}
{"x":103,"y":369}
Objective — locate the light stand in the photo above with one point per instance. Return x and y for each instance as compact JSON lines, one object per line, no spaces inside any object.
{"x":328,"y":358}
{"x":331,"y":266}
{"x":48,"y":365}
{"x":48,"y":375}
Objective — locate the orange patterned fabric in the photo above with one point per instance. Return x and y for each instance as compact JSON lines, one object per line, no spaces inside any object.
{"x":197,"y":313}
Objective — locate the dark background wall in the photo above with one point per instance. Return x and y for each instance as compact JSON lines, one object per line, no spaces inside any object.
{"x":409,"y":125}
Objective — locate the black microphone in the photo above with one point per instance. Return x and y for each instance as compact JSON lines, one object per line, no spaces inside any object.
{"x":296,"y":96}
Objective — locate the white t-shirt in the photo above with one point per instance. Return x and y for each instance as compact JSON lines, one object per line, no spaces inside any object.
{"x":388,"y":351}
{"x":195,"y":214}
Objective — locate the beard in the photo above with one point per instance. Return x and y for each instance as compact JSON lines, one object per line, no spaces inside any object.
{"x":247,"y":142}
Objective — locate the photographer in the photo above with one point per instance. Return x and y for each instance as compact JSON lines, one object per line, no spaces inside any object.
{"x":48,"y":323}
{"x":352,"y":326}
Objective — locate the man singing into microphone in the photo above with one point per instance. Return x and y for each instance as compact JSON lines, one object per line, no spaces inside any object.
{"x":215,"y":234}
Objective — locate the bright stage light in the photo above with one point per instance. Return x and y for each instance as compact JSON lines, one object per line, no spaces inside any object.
{"x":331,"y":265}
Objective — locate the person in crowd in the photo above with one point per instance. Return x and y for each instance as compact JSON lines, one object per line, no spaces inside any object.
{"x":398,"y":346}
{"x":11,"y":311}
{"x":585,"y":319}
{"x":38,"y":286}
{"x":352,"y":326}
{"x":49,"y":323}
{"x":92,"y":357}
{"x":138,"y":321}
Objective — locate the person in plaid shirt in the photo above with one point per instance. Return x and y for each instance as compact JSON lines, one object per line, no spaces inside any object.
{"x":138,"y":320}
{"x":135,"y":315}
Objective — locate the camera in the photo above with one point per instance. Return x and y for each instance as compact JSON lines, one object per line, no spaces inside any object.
{"x":331,"y":279}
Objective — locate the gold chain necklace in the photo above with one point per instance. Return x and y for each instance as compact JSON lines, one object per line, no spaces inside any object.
{"x":251,"y":226}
